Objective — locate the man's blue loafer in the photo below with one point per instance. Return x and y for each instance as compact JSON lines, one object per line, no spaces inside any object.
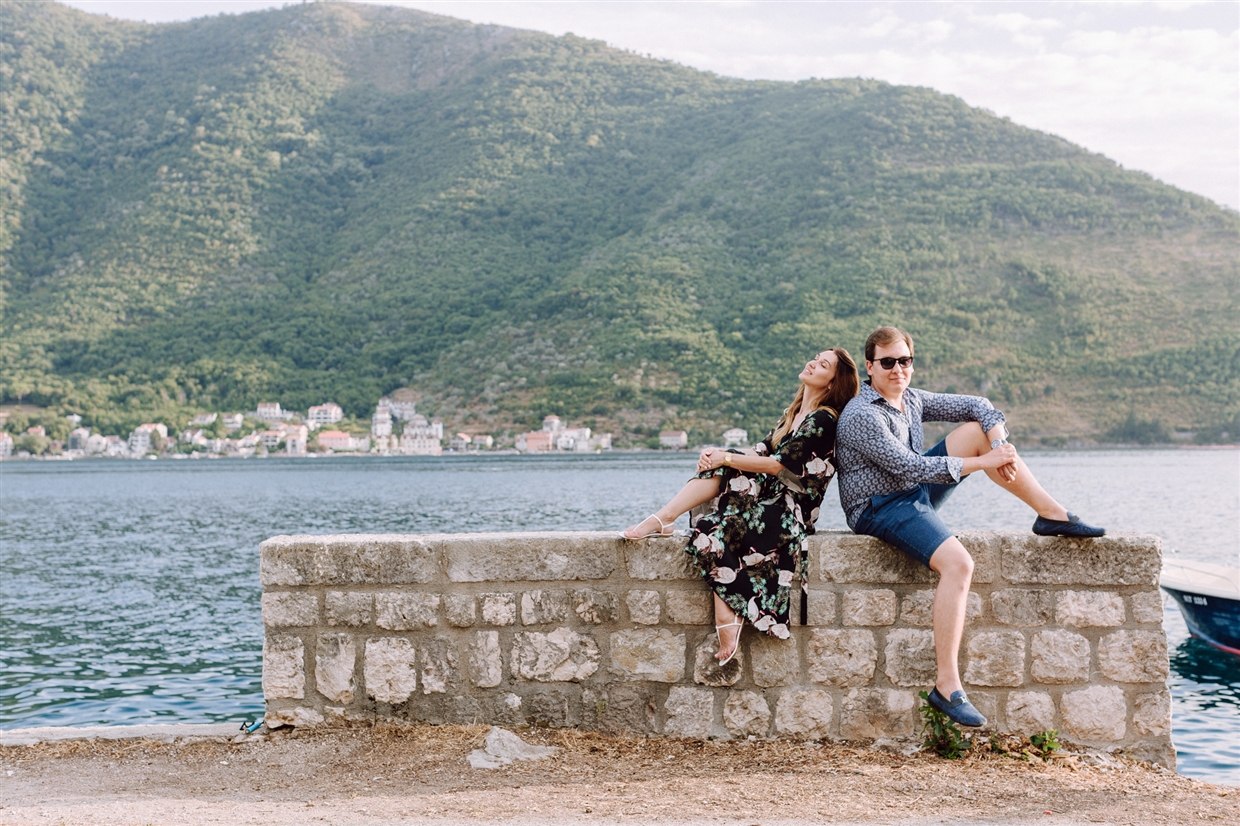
{"x":1072,"y":526}
{"x":958,"y":708}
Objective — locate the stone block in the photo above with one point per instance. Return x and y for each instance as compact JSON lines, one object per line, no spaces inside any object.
{"x":284,"y":667}
{"x":706,"y":669}
{"x":1086,"y":609}
{"x":622,"y":709}
{"x":774,"y":661}
{"x":917,"y":608}
{"x":869,"y":607}
{"x":1023,"y":607}
{"x":390,"y":671}
{"x":1117,"y":559}
{"x":909,"y":657}
{"x":820,"y":609}
{"x":689,"y":712}
{"x":746,"y":714}
{"x":985,"y":548}
{"x":347,"y":560}
{"x":841,"y":658}
{"x":486,"y":668}
{"x":461,"y":610}
{"x":1151,"y":714}
{"x":506,"y":710}
{"x":300,"y":717}
{"x":1096,"y":713}
{"x":439,"y":665}
{"x":644,"y":608}
{"x":1134,"y":656}
{"x":1059,"y":657}
{"x":654,"y":654}
{"x":527,"y":557}
{"x":658,"y":559}
{"x":689,"y":607}
{"x":542,"y":607}
{"x":804,"y":714}
{"x":595,"y":607}
{"x":870,"y":713}
{"x":290,"y":609}
{"x":996,"y":658}
{"x":561,"y":655}
{"x":552,"y":707}
{"x":1030,"y":712}
{"x":349,"y":608}
{"x":848,"y":558}
{"x":1146,"y":606}
{"x":398,"y":611}
{"x":499,"y":609}
{"x":334,"y":662}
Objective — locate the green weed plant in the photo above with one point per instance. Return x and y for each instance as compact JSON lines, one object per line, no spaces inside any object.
{"x":939,"y":734}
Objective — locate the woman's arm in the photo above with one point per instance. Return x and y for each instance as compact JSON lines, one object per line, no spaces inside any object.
{"x":716,"y":457}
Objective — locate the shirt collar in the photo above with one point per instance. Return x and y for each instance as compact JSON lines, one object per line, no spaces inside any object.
{"x":872,"y":396}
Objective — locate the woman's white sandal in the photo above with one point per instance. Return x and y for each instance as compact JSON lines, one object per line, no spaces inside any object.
{"x":662,"y":531}
{"x":737,"y":622}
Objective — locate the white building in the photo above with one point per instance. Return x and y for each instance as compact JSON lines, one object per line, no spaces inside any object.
{"x":295,"y":439}
{"x":272,"y":438}
{"x":381,"y":422}
{"x":402,"y":411}
{"x":97,"y":443}
{"x":141,"y":440}
{"x":270,"y":412}
{"x":735,"y":437}
{"x":322,"y":414}
{"x":552,"y":424}
{"x":420,"y":438}
{"x":601,"y":442}
{"x":675,"y":439}
{"x":193,"y":437}
{"x":573,"y":439}
{"x":483,"y":442}
{"x":78,"y":437}
{"x":459,"y":442}
{"x":204,"y":419}
{"x":6,"y":445}
{"x":233,"y":421}
{"x":116,"y":446}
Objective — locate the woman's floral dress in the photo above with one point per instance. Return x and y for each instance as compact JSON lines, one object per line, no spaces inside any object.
{"x":750,"y":548}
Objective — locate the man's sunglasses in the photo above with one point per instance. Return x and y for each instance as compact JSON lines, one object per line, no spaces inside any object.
{"x":889,"y":363}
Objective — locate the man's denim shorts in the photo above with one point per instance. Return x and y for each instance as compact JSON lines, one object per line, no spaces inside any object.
{"x":908,"y":519}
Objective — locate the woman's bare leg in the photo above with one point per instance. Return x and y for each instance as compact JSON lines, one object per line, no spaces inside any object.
{"x":695,"y":492}
{"x":729,"y":638}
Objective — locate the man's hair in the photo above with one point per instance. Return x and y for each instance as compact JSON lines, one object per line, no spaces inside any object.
{"x":884,"y":337}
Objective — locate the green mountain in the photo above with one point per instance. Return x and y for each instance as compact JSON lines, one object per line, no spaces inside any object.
{"x":330,"y":202}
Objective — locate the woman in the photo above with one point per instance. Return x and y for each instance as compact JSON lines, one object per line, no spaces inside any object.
{"x":751,"y":546}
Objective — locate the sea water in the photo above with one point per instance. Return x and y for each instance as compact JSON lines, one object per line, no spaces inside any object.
{"x":129,"y":590}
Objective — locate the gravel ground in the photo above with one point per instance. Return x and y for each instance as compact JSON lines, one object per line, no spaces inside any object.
{"x":419,"y":775}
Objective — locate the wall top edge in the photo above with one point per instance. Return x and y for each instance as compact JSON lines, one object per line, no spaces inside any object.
{"x":345,"y":538}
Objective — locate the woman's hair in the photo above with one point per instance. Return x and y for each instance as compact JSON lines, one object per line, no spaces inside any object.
{"x":885,"y":337}
{"x":843,"y":387}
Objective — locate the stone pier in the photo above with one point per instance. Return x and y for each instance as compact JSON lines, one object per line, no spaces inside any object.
{"x":583,"y":629}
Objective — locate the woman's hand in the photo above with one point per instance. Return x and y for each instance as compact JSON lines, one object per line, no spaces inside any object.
{"x":710,"y":458}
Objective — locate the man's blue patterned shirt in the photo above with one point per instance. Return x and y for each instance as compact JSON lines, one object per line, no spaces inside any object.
{"x":878,"y":449}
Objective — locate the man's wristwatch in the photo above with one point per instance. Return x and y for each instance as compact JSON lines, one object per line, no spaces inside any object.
{"x":998,"y":442}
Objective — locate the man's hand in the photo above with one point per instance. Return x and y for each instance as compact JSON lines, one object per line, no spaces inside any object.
{"x":1003,"y":460}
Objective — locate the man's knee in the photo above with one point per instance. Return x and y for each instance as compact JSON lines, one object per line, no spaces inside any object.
{"x":952,"y":560}
{"x":967,"y":440}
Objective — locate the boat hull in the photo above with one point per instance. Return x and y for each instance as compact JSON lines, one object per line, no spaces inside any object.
{"x":1212,"y":619}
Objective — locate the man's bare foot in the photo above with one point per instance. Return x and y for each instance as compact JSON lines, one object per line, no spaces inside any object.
{"x":652,"y":525}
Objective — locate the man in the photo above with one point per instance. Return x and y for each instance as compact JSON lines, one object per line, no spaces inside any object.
{"x":890,"y":490}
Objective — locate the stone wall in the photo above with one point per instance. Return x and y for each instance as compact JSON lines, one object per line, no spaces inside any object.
{"x":583,"y":629}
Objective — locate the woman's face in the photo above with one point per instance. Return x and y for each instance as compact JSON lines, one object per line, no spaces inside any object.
{"x":819,"y":371}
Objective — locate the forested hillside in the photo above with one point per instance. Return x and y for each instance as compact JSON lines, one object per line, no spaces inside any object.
{"x":330,"y":202}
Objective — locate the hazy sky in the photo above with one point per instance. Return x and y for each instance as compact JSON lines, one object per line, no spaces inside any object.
{"x":1152,"y":85}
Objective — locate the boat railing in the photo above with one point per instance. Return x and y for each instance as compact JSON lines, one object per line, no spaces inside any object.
{"x":1198,"y":572}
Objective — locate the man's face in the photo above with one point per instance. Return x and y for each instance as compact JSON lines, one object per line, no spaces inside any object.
{"x":894,"y":381}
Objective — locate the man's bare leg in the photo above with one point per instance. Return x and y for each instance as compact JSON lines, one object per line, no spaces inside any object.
{"x":969,"y":440}
{"x":695,"y":492}
{"x":955,"y":569}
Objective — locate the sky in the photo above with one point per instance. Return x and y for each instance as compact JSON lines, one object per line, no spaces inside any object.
{"x":1154,"y":86}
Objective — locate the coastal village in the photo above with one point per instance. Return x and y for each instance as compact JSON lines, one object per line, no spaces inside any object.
{"x":396,"y":429}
